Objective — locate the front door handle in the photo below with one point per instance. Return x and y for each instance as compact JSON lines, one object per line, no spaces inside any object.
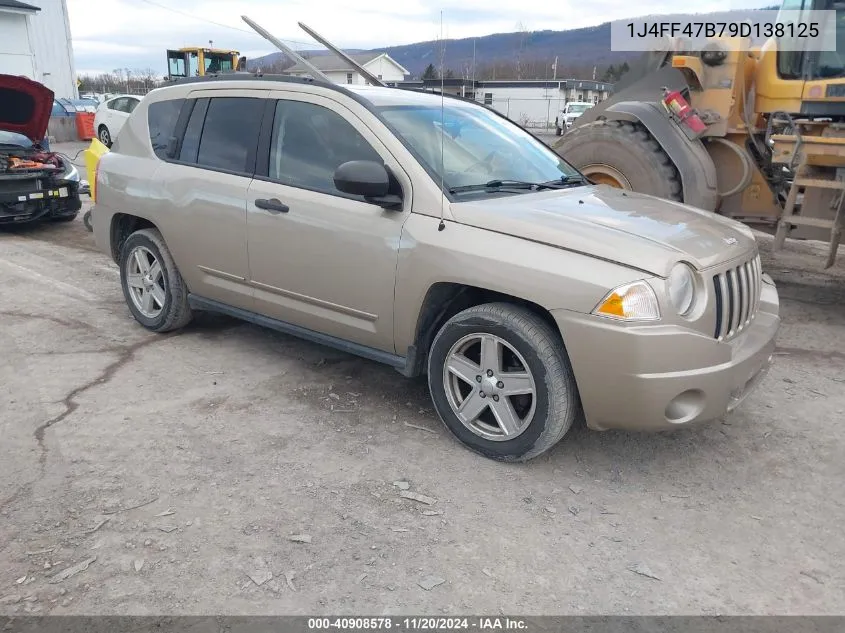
{"x":273,"y":205}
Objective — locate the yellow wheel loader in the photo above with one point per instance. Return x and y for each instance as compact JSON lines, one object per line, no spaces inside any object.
{"x":199,"y":62}
{"x":764,"y":142}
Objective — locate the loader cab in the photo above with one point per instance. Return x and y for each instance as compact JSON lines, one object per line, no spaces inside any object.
{"x":198,"y":62}
{"x":791,"y":79}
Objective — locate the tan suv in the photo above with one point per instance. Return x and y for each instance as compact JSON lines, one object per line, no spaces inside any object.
{"x":439,"y":238}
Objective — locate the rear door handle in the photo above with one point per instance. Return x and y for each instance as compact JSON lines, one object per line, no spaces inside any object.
{"x":273,"y":205}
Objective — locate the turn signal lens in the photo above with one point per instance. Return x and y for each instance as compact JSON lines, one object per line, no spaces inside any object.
{"x":631,"y":302}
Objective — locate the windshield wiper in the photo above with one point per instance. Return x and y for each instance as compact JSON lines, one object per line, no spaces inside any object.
{"x":507,"y":184}
{"x":567,"y":181}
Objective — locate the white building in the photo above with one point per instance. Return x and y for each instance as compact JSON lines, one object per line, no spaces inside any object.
{"x":338,"y":71}
{"x":537,"y":103}
{"x":35,"y":42}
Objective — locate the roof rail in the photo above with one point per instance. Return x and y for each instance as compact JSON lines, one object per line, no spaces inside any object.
{"x":247,"y":76}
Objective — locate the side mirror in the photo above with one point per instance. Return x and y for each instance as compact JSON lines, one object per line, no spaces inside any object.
{"x":368,"y":179}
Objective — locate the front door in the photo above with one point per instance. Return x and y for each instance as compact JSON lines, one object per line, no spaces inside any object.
{"x":319,"y":258}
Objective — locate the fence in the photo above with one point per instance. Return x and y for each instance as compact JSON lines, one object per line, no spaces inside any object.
{"x":534,"y":113}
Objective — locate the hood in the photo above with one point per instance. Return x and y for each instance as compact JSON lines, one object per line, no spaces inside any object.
{"x":25,"y":107}
{"x":636,"y":230}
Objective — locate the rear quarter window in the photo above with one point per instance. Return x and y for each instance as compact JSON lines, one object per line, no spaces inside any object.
{"x":161,"y":119}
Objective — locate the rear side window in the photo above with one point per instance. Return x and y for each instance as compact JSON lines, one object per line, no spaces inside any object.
{"x":230,"y":134}
{"x":161,"y":119}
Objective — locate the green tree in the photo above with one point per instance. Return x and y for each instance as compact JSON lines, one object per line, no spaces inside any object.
{"x":430,"y":72}
{"x":609,"y":74}
{"x":449,"y":74}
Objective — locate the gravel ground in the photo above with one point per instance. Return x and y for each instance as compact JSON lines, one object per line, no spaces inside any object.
{"x":229,"y":468}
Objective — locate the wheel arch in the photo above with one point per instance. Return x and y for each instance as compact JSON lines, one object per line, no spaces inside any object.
{"x":443,"y":300}
{"x":122,"y":226}
{"x":698,"y":173}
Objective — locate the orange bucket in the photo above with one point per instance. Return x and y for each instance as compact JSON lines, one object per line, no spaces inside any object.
{"x":85,"y":125}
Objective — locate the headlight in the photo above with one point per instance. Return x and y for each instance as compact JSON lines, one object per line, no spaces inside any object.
{"x":631,"y":302}
{"x":71,"y":174}
{"x":681,"y":286}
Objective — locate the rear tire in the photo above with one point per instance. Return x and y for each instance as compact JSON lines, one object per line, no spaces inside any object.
{"x":624,"y":152}
{"x":104,"y":136}
{"x":528,"y":358}
{"x":160,"y":305}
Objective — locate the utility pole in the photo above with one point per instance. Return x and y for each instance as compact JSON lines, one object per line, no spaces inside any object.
{"x":594,"y":73}
{"x":554,"y":68}
{"x":473,"y":70}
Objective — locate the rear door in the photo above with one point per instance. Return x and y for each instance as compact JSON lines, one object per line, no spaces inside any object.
{"x":204,"y":185}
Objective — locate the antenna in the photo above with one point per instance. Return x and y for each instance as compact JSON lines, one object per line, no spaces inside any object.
{"x":442,"y":224}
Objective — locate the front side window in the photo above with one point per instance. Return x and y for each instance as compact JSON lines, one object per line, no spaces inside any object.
{"x":310,"y":142}
{"x":161,"y":119}
{"x":230,"y":134}
{"x":131,"y":104}
{"x":477,"y":146}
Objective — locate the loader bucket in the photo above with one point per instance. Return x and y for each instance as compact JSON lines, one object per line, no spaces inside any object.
{"x":92,"y":156}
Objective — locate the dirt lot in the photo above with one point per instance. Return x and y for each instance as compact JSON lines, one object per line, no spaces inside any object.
{"x":179,"y":468}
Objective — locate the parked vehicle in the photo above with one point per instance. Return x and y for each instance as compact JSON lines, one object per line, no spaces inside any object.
{"x":35,"y":183}
{"x":569,"y":113}
{"x":111,"y":115}
{"x":527,"y":295}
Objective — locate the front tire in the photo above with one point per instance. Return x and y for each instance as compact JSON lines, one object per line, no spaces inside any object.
{"x":152,"y":286}
{"x":501,"y":381}
{"x":622,"y":155}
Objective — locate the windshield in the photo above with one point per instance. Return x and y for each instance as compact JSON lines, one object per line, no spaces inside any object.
{"x":13,"y":138}
{"x":478,"y":147}
{"x":578,"y":108}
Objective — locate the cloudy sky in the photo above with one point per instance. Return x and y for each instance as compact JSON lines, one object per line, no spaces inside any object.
{"x":110,"y":34}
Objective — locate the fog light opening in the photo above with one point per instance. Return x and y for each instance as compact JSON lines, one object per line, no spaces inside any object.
{"x":685,"y":407}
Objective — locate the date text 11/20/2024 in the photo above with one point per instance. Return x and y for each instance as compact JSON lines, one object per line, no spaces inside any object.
{"x":431,"y":624}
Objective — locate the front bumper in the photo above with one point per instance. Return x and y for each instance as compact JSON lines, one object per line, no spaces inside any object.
{"x":657,"y":377}
{"x":28,"y":205}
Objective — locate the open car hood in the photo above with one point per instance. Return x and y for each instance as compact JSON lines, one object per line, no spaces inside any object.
{"x":25,"y":107}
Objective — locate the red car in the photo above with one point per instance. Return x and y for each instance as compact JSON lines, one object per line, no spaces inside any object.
{"x":35,"y":184}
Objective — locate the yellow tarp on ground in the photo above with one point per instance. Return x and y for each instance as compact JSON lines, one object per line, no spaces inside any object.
{"x":92,"y":156}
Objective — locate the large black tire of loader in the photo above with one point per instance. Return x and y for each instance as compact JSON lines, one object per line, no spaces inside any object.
{"x":629,"y":149}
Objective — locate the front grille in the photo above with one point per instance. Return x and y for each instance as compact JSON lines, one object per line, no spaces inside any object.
{"x":737,"y":293}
